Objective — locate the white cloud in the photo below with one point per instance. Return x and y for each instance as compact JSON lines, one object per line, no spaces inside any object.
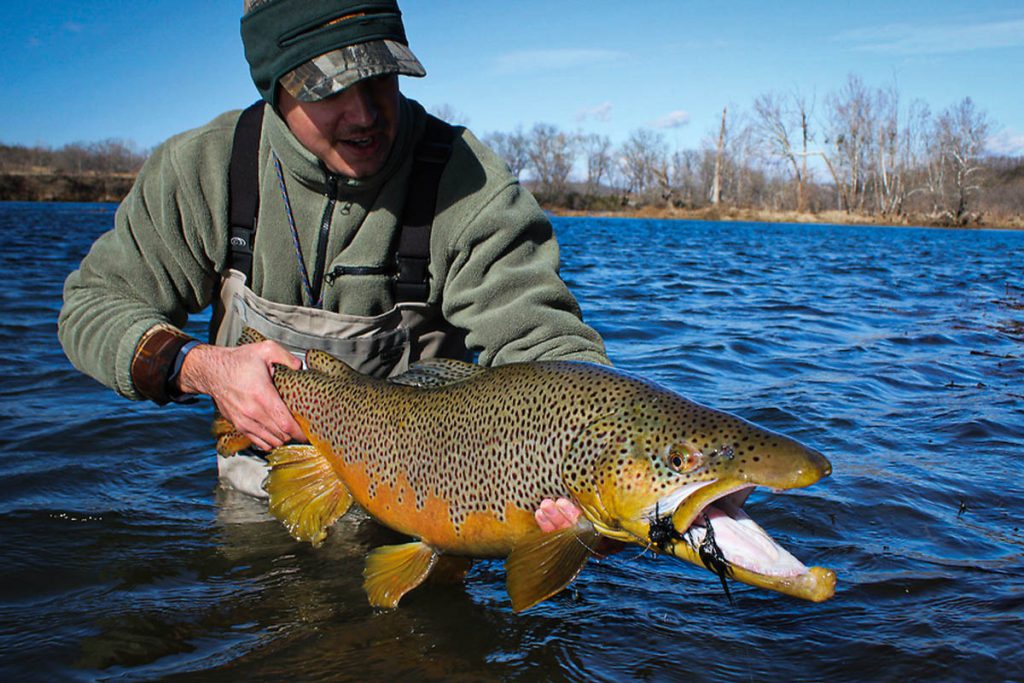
{"x":72,"y":27}
{"x":675,"y":119}
{"x":554,"y":60}
{"x":916,"y":39}
{"x":600,"y":112}
{"x":1006,"y":142}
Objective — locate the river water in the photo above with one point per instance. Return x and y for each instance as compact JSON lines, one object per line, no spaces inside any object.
{"x":898,"y":352}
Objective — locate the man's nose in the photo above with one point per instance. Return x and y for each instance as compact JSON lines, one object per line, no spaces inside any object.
{"x":359,"y":108}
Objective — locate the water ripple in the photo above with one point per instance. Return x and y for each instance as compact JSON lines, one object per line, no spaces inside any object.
{"x":897,"y":352}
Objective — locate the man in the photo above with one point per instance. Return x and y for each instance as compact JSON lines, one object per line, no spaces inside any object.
{"x":341,"y":161}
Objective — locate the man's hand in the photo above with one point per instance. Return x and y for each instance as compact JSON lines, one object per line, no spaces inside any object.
{"x":556,"y":514}
{"x":240,"y":381}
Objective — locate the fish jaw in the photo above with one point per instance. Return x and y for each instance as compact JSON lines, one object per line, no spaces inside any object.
{"x":752,"y":556}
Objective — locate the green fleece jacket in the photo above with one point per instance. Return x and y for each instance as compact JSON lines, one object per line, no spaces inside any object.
{"x":494,"y":259}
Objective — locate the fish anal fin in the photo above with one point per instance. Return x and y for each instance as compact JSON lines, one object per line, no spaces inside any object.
{"x":394,"y":570}
{"x":306,"y":493}
{"x":324,"y":362}
{"x":229,"y":439}
{"x":231,"y":442}
{"x":437,"y":372}
{"x":542,"y":564}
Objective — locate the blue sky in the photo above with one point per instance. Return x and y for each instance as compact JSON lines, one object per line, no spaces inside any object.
{"x":143,"y":71}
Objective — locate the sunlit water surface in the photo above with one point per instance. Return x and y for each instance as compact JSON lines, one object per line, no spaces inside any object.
{"x":897,"y":352}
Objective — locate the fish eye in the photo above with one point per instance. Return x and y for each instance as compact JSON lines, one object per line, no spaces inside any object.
{"x":684,"y":458}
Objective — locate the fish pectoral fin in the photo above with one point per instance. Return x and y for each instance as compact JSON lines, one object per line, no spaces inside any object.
{"x":394,"y":570}
{"x":542,"y":564}
{"x":437,"y":372}
{"x":305,"y":491}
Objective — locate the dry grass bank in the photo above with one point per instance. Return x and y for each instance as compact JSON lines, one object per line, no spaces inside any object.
{"x":729,"y":213}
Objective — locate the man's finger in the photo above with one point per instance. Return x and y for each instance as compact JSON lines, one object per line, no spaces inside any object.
{"x":568,"y":510}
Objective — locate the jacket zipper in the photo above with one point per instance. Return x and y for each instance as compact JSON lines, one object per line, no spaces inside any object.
{"x":321,"y":244}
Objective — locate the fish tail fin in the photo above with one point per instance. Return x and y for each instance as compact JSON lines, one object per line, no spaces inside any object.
{"x":306,"y":493}
{"x":394,"y":570}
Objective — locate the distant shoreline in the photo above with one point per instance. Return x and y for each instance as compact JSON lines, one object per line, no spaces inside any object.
{"x":745,"y":215}
{"x":112,"y":188}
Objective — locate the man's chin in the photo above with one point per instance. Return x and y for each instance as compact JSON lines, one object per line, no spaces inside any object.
{"x":357,"y":163}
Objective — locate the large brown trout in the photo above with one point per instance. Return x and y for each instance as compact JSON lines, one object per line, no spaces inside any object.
{"x":459,"y":457}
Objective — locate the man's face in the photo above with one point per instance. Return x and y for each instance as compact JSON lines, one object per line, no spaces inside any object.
{"x":351,"y":132}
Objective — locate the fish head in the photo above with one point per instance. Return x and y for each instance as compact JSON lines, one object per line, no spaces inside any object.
{"x":672,"y":475}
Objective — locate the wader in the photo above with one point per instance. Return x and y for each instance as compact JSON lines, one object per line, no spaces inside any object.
{"x":383,"y":345}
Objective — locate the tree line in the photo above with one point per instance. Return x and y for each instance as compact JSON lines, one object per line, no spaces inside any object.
{"x":859,"y":150}
{"x":86,"y":172}
{"x":79,"y":158}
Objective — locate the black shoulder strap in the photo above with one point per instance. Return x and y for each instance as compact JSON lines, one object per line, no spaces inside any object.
{"x":412,"y":257}
{"x":243,"y":188}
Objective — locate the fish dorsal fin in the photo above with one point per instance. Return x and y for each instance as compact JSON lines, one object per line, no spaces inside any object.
{"x":437,"y":372}
{"x":249,"y":336}
{"x":542,"y":564}
{"x":305,"y":491}
{"x":327,"y":364}
{"x":394,"y":570}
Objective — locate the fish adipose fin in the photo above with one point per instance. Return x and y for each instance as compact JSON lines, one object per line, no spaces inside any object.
{"x":305,"y":492}
{"x":437,"y":372}
{"x":394,"y":570}
{"x":543,"y":564}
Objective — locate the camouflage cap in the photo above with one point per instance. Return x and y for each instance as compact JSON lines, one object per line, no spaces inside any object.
{"x":317,"y":48}
{"x":331,"y":73}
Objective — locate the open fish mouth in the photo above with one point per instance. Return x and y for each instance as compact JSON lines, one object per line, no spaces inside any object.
{"x":742,"y":540}
{"x":736,"y":545}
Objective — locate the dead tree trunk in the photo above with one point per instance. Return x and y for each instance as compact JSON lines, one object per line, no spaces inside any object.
{"x":716,"y":185}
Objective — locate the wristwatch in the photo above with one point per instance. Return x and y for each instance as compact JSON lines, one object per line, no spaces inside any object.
{"x":173,"y":392}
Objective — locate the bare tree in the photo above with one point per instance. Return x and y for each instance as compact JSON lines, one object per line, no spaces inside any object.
{"x":552,"y":154}
{"x":598,"y":152}
{"x":958,"y":143}
{"x":447,"y":112}
{"x":850,"y":129}
{"x":513,"y":148}
{"x":640,"y":156}
{"x":686,"y":178}
{"x":781,"y":129}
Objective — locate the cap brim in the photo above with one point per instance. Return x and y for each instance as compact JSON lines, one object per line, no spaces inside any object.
{"x":334,"y":71}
